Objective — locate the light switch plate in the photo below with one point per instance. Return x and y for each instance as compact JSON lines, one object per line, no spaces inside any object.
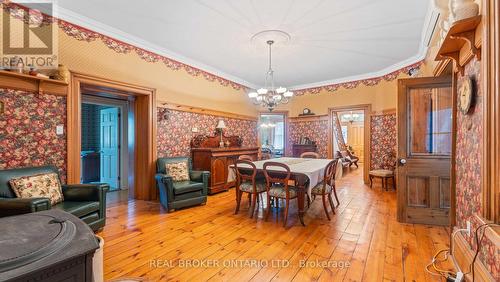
{"x":60,"y":129}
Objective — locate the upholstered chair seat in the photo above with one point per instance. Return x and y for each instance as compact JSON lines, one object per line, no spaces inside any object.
{"x":382,"y":172}
{"x":318,"y":189}
{"x":248,"y":187}
{"x":182,"y":187}
{"x":280,"y":192}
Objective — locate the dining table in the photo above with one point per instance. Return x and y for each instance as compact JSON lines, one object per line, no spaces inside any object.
{"x":306,"y":173}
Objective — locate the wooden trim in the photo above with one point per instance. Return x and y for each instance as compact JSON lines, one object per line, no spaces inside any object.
{"x":385,"y":112}
{"x":462,"y":42}
{"x":491,"y":109}
{"x":18,"y":81}
{"x":453,"y":164}
{"x":463,"y":256}
{"x":197,"y":110}
{"x":441,"y":67}
{"x":309,"y":118}
{"x":145,"y":129}
{"x":367,"y":109}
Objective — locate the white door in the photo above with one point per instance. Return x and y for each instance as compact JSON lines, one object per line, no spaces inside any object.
{"x":110,"y":147}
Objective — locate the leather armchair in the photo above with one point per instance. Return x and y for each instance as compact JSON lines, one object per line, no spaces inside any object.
{"x":180,"y":194}
{"x":86,"y":201}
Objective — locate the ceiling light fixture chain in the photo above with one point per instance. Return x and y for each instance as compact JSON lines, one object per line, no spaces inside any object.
{"x":269,"y":96}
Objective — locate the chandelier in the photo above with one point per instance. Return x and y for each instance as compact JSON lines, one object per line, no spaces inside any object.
{"x":269,"y":96}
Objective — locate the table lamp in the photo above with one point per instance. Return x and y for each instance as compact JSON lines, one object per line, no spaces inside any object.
{"x":220,"y":126}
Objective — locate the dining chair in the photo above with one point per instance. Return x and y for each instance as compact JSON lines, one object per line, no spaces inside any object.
{"x":246,"y":158}
{"x":326,"y":187}
{"x":248,"y":183}
{"x":277,"y":186}
{"x":310,"y":155}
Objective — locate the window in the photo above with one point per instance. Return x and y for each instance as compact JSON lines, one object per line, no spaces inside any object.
{"x":272,"y":132}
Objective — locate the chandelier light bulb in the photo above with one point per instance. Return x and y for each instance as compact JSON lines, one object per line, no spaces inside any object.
{"x":281,"y":90}
{"x":262,"y":91}
{"x":253,"y":94}
{"x":288,"y":94}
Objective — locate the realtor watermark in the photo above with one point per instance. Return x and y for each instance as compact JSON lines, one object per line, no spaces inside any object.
{"x":247,"y":263}
{"x":28,"y":36}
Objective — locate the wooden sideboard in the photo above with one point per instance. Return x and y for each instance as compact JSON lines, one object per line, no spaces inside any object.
{"x":217,"y":161}
{"x":298,"y":149}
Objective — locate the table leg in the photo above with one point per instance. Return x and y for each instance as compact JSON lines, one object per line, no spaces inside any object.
{"x":301,"y":194}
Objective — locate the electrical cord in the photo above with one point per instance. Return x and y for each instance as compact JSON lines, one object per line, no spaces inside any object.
{"x":447,"y":252}
{"x":478,"y":246}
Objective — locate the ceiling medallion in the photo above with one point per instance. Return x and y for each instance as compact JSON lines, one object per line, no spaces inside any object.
{"x":271,"y":96}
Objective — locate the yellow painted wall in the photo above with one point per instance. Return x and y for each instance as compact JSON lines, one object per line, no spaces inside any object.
{"x":172,"y":86}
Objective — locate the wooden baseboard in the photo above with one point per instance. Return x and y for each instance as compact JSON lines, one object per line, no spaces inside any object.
{"x":463,"y":255}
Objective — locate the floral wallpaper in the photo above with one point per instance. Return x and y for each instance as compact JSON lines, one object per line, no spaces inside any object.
{"x":383,"y":141}
{"x":174,"y":130}
{"x":28,"y":130}
{"x":316,"y":130}
{"x":468,"y":170}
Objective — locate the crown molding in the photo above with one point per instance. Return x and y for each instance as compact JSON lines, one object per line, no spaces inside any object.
{"x":95,"y":26}
{"x":98,"y":27}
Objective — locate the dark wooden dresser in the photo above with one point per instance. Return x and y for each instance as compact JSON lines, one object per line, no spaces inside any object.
{"x":206,"y":155}
{"x":298,"y":149}
{"x":49,"y":246}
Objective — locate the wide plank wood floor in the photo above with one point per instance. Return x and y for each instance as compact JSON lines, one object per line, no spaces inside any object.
{"x":362,"y":242}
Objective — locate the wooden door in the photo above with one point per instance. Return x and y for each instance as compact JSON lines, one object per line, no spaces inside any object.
{"x":355,"y":138}
{"x":424,"y":150}
{"x":110,"y":149}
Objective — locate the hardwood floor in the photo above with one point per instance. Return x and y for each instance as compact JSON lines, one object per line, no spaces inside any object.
{"x":362,"y":242}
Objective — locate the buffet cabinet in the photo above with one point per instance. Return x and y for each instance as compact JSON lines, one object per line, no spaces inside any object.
{"x":217,"y":161}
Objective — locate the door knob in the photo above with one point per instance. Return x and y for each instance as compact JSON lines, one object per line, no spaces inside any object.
{"x":402,"y":161}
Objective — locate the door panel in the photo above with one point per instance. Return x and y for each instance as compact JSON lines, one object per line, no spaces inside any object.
{"x":355,"y":138}
{"x":109,"y":139}
{"x":418,"y":191}
{"x":424,"y":150}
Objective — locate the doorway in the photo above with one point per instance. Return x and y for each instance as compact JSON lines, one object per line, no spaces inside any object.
{"x":353,"y":131}
{"x":142,"y":137}
{"x":104,"y":141}
{"x":272,"y":133}
{"x":354,"y":125}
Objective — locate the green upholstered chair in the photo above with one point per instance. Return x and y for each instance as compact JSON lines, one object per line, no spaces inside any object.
{"x":85,"y":201}
{"x":179,"y":194}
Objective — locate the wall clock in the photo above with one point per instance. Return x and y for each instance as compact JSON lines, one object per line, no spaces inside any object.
{"x":465,"y":95}
{"x":306,"y":112}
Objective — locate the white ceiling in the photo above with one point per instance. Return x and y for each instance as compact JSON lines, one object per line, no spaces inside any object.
{"x":331,"y":40}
